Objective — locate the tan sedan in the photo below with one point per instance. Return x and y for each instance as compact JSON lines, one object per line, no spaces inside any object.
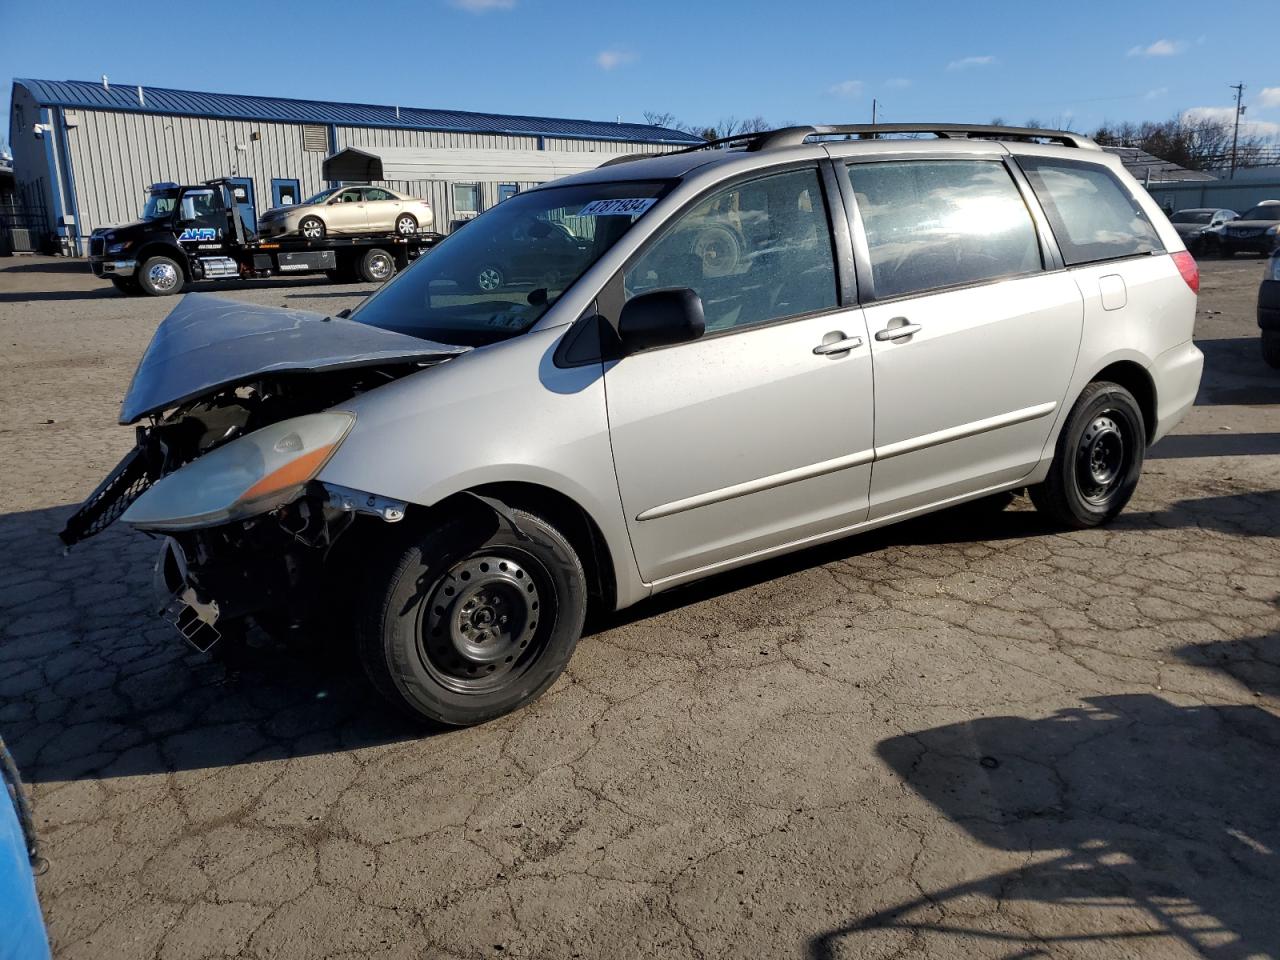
{"x":349,"y":210}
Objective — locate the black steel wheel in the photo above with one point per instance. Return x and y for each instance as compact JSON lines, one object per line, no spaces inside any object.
{"x":1097,"y":461}
{"x":474,"y":619}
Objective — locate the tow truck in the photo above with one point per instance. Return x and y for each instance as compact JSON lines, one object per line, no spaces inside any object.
{"x":206,"y":232}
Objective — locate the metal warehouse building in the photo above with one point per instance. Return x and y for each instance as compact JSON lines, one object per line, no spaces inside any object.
{"x":85,"y":152}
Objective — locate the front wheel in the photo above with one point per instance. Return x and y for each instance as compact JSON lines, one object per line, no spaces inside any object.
{"x":312,"y":228}
{"x":1097,"y":461}
{"x":160,"y":277}
{"x":473,"y":619}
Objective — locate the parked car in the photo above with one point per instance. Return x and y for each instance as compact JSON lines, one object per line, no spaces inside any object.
{"x":348,"y":210}
{"x":760,"y":345}
{"x":1199,"y":228}
{"x":1256,"y":231}
{"x":1269,"y":312}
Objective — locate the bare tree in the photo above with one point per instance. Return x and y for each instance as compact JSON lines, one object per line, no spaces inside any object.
{"x":1194,"y":142}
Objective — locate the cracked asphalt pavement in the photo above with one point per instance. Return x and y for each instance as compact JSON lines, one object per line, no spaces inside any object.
{"x":959,"y":737}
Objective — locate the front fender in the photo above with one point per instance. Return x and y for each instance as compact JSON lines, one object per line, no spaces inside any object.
{"x":502,"y":413}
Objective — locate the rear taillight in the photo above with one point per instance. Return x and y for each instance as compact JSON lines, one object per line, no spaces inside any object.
{"x":1189,"y":269}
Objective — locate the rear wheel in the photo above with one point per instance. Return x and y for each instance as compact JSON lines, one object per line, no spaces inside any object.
{"x":1271,"y":348}
{"x":160,"y":277}
{"x":406,"y":225}
{"x":377,"y":266}
{"x":1097,"y":461}
{"x":472,"y":620}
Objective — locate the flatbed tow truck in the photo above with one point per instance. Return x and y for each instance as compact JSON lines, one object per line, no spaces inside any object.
{"x":204,"y":232}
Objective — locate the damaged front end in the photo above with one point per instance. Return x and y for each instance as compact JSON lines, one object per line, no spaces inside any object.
{"x":243,"y":411}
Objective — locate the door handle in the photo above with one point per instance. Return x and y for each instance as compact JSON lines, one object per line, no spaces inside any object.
{"x":841,"y":344}
{"x":898,"y":332}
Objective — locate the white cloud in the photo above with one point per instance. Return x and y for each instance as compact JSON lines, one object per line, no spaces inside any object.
{"x":846,"y":88}
{"x":1161,"y":48}
{"x":897,"y":83}
{"x":609,"y":59}
{"x":482,"y":6}
{"x":1155,"y":94}
{"x":966,"y":62}
{"x":1269,"y":97}
{"x":1255,"y":128}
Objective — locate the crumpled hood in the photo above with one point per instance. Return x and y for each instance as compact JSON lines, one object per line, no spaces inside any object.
{"x":208,"y":343}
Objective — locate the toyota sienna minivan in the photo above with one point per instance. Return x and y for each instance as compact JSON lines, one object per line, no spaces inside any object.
{"x":734,"y":351}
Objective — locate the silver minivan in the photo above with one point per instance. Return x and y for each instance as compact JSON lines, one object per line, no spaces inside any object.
{"x":703,"y":359}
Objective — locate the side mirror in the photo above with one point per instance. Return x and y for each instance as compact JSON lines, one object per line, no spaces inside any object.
{"x":661,"y":317}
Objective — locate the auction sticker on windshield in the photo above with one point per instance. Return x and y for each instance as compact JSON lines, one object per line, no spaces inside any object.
{"x":621,"y":207}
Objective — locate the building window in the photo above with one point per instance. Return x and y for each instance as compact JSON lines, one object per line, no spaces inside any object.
{"x":315,"y":138}
{"x":466,"y":198}
{"x":506,"y":191}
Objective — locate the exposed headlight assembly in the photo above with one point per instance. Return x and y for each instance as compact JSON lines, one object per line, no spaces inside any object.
{"x":120,"y":247}
{"x":246,"y":477}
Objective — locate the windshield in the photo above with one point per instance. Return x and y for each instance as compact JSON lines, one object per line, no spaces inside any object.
{"x":1265,"y":211}
{"x":1193,"y":216}
{"x":159,"y":204}
{"x":497,"y":276}
{"x":322,"y":196}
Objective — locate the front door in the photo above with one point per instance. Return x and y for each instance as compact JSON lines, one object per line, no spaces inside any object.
{"x":242,"y":190}
{"x":347,"y":212}
{"x":974,"y":342}
{"x":759,"y":433}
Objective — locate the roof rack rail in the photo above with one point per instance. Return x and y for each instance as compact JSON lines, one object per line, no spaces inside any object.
{"x":794,"y":136}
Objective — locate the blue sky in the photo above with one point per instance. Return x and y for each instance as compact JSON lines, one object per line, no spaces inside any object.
{"x":702,"y":61}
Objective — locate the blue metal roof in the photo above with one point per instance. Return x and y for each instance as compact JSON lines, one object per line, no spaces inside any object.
{"x":88,"y":95}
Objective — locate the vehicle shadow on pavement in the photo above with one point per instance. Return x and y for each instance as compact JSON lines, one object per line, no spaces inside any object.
{"x":64,"y":265}
{"x":1234,"y":373}
{"x":1142,"y":823}
{"x":1253,"y":662}
{"x":99,"y":293}
{"x":93,"y":685}
{"x":1247,"y":514}
{"x":1182,"y":446}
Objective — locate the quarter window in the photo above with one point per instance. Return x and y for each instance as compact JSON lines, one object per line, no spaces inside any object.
{"x":1092,"y":215}
{"x":941,"y":223}
{"x":754,"y":252}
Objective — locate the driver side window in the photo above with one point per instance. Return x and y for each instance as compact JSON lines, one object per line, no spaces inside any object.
{"x":754,"y":252}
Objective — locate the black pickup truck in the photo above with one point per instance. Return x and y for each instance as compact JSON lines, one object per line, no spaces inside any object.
{"x":203,"y":232}
{"x":1269,"y":311}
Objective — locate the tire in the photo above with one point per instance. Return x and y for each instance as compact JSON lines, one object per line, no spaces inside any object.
{"x":377,"y":266}
{"x":1270,"y":344}
{"x":311,"y":228}
{"x":489,"y":278}
{"x":160,"y":277}
{"x":425,"y":653}
{"x":407,"y":225}
{"x":1097,"y":460}
{"x":126,"y":285}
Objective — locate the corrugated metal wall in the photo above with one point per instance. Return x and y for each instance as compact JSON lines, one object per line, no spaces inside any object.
{"x":116,"y":156}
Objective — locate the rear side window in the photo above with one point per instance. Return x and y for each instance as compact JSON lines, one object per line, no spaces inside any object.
{"x":754,"y":252}
{"x":942,"y":223}
{"x":1092,"y":215}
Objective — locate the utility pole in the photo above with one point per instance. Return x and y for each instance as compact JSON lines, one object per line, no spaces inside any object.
{"x":1235,"y":137}
{"x":873,"y":109}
